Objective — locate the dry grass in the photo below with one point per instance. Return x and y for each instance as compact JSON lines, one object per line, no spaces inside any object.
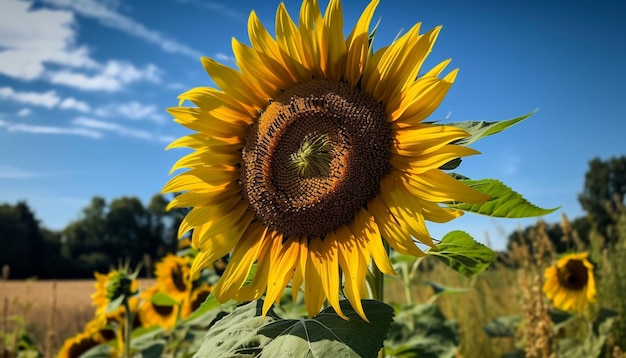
{"x":52,"y":310}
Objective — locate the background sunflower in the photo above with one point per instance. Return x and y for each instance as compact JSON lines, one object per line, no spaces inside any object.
{"x":570,"y":283}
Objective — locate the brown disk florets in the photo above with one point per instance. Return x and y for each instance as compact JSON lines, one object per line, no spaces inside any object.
{"x":314,"y":157}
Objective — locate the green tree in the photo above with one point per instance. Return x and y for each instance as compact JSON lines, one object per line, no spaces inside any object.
{"x":604,"y":189}
{"x":24,"y":247}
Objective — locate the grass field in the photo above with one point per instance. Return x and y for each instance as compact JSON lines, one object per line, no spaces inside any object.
{"x":51,"y":310}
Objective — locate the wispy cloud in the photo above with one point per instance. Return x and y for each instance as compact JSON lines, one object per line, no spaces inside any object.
{"x":47,"y":99}
{"x":107,"y":16}
{"x":132,"y":110}
{"x":37,"y":129}
{"x":31,"y":40}
{"x":111,"y":77}
{"x":94,"y":124}
{"x":72,"y":103}
{"x":218,"y":8}
{"x":24,"y":112}
{"x":9,"y":172}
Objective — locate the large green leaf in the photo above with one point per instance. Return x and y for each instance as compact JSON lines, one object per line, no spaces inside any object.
{"x":481,"y":129}
{"x":328,"y":335}
{"x":504,"y":202}
{"x":422,"y":331}
{"x":235,"y":335}
{"x":460,"y":251}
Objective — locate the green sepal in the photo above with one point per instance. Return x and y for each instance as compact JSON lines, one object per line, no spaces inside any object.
{"x":504,"y":202}
{"x":163,"y":299}
{"x":481,"y":129}
{"x":462,"y":253}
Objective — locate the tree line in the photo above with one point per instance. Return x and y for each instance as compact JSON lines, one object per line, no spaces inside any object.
{"x":105,"y":235}
{"x":124,"y":229}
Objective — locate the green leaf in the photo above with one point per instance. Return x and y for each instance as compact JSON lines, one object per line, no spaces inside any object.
{"x":461,"y":252}
{"x":163,"y":299}
{"x":505,"y":326}
{"x":235,"y":335}
{"x":328,"y":335}
{"x":113,"y":305}
{"x":593,"y":343}
{"x":422,"y":331}
{"x":441,"y":289}
{"x":481,"y":129}
{"x":504,"y":202}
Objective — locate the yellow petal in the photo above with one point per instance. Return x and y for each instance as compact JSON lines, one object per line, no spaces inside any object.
{"x":365,"y":229}
{"x":201,"y":179}
{"x":354,"y":269}
{"x":421,"y":163}
{"x":244,"y":255}
{"x":234,"y":84}
{"x":333,"y":46}
{"x":424,"y":139}
{"x":398,"y":237}
{"x":358,"y":45}
{"x":290,"y":42}
{"x":437,"y":186}
{"x":283,"y":259}
{"x":314,"y":290}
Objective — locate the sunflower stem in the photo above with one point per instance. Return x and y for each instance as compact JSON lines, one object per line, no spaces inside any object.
{"x":127,"y":328}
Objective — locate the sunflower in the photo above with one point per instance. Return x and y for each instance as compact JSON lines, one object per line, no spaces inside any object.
{"x":172,"y":276}
{"x":151,"y":314}
{"x":75,"y":346}
{"x":570,"y":283}
{"x":197,"y":298}
{"x":313,"y":154}
{"x":110,"y":286}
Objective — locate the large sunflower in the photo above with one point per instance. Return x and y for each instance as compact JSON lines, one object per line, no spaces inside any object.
{"x":312,"y":153}
{"x":570,"y":283}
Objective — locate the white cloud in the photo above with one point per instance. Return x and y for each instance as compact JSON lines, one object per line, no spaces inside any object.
{"x":216,"y":7}
{"x":112,"y":127}
{"x":35,"y":129}
{"x":107,"y":16}
{"x":132,"y":110}
{"x":30,"y":40}
{"x":47,"y":99}
{"x":8,"y":172}
{"x":24,"y":112}
{"x":112,"y":77}
{"x":72,"y":103}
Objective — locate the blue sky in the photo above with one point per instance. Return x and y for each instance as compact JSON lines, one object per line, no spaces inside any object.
{"x":84,"y":85}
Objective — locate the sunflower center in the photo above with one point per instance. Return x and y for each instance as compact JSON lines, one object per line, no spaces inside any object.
{"x":574,"y":275}
{"x":178,"y":279}
{"x":315,"y":156}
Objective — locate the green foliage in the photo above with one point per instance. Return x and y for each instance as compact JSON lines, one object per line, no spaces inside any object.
{"x":504,"y":202}
{"x":245,"y":333}
{"x":460,"y":251}
{"x":481,"y":129}
{"x":503,"y":326}
{"x":327,"y":334}
{"x":163,"y":299}
{"x":422,"y":331}
{"x":591,"y":342}
{"x":604,"y":190}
